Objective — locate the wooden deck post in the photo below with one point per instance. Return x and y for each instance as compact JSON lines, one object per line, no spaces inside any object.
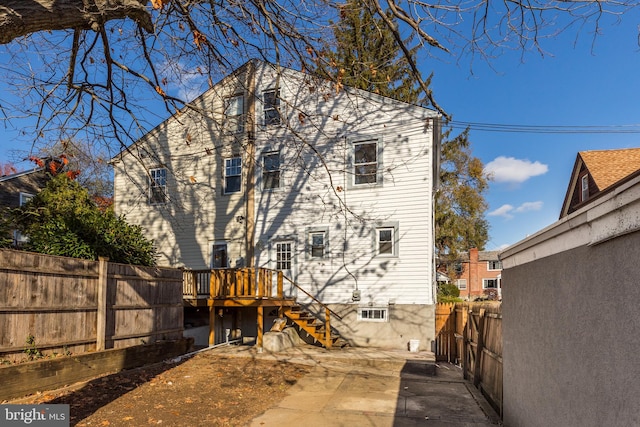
{"x":101,"y":321}
{"x":212,"y":324}
{"x":260,"y":327}
{"x":280,"y":284}
{"x":327,"y":328}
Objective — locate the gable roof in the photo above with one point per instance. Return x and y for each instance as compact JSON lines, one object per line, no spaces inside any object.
{"x":250,"y":66}
{"x":607,"y":169}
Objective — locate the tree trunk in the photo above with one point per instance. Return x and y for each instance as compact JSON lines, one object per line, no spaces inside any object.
{"x":20,"y":17}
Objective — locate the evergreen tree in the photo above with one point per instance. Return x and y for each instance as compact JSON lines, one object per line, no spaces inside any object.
{"x":367,"y":55}
{"x":460,"y":205}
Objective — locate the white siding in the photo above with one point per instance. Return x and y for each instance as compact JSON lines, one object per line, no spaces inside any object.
{"x":315,"y":138}
{"x":316,"y":193}
{"x":192,"y":148}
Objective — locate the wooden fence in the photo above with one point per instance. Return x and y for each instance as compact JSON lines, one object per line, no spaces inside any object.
{"x":60,"y":305}
{"x":471,"y":334}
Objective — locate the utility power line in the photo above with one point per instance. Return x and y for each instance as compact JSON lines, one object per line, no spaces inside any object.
{"x":558,"y":129}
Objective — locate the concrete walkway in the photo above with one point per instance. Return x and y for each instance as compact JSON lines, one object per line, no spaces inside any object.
{"x":358,"y":387}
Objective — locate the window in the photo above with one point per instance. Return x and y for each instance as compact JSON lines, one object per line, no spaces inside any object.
{"x":458,"y":268}
{"x":365,"y":162}
{"x":219,"y":257}
{"x":385,"y":241}
{"x":489,"y":283}
{"x":271,"y":170}
{"x":18,"y":238}
{"x":585,"y":188}
{"x":234,"y":114}
{"x":461,"y":283}
{"x":157,"y":186}
{"x":232,"y":175}
{"x":283,"y":255}
{"x":373,"y":314}
{"x":494,"y":265}
{"x":271,"y":107}
{"x":317,"y":242}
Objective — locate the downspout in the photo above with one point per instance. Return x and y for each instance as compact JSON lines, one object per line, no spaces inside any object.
{"x":250,"y":212}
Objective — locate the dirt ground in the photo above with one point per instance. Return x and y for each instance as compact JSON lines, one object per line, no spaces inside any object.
{"x":204,"y":390}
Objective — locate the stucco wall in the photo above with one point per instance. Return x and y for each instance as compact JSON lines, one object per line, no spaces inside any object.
{"x":571,"y":337}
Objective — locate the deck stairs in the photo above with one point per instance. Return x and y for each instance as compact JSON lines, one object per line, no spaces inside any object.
{"x":313,"y":328}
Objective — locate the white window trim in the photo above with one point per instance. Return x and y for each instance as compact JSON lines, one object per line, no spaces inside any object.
{"x":459,"y":284}
{"x":234,"y":123}
{"x":212,"y":245}
{"x":225,"y":176}
{"x":395,"y":239}
{"x":584,"y":186}
{"x":492,"y":269}
{"x":352,"y":142}
{"x":164,"y":187}
{"x":309,"y":232}
{"x":278,"y":107}
{"x":384,"y":310}
{"x":280,"y":169}
{"x":25,"y":197}
{"x":484,"y":283}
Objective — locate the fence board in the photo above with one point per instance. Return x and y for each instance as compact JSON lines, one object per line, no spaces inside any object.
{"x":477,"y":331}
{"x":56,"y":300}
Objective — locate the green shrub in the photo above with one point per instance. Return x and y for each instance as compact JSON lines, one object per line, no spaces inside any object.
{"x":448,"y":292}
{"x":64,"y":220}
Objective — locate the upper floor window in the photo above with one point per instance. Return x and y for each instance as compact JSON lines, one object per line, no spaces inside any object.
{"x":157,"y":186}
{"x":584,"y":195}
{"x":271,"y":107}
{"x":365,"y":162}
{"x":232,"y":175}
{"x":234,"y":114}
{"x":271,"y":170}
{"x":494,"y":265}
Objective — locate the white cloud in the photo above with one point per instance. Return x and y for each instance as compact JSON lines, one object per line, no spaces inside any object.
{"x":529,"y":206}
{"x":188,"y":84}
{"x":502,"y":211}
{"x":512,"y":170}
{"x":506,"y":211}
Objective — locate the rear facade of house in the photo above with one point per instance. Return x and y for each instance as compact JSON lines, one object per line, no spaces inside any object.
{"x":278,"y":169}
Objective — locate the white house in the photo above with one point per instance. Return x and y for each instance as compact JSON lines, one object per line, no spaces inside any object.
{"x":279,"y":169}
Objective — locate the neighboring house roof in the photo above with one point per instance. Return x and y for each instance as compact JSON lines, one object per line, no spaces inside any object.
{"x":482,"y":256}
{"x":605,"y":169}
{"x":30,"y":181}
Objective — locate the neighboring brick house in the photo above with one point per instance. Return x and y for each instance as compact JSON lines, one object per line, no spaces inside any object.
{"x":595,"y":173}
{"x":478,"y":275}
{"x":18,"y":188}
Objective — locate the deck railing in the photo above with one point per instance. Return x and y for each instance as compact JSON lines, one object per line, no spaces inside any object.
{"x":233,"y":283}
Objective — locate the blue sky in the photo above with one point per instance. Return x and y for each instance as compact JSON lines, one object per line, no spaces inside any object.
{"x":583,"y":82}
{"x":574,"y":85}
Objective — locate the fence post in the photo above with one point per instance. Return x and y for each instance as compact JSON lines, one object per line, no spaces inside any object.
{"x":101,"y":321}
{"x":479,"y":349}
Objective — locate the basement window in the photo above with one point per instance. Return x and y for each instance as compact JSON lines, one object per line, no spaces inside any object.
{"x":373,"y":314}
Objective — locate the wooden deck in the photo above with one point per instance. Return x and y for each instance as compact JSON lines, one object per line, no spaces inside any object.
{"x":253,"y":287}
